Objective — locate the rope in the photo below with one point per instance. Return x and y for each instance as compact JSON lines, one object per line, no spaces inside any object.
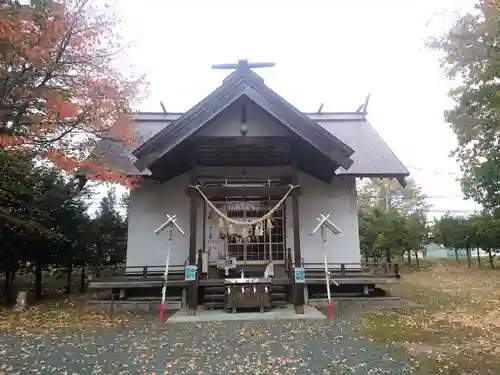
{"x":243,"y":223}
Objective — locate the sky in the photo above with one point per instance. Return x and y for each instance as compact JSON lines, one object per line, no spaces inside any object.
{"x":331,"y":52}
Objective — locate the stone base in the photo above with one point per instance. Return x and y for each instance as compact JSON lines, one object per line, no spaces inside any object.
{"x":190,"y":312}
{"x":299,"y":309}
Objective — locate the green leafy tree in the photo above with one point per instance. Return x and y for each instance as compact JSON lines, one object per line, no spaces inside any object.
{"x":390,"y":195}
{"x":488,"y":234}
{"x":384,"y":234}
{"x":109,"y":233}
{"x":470,"y":56}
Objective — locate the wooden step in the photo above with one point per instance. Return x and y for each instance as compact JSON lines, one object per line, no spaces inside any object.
{"x":213,"y":296}
{"x":153,"y":299}
{"x":278,"y":296}
{"x":278,"y":303}
{"x":213,"y":305}
{"x":215,"y":289}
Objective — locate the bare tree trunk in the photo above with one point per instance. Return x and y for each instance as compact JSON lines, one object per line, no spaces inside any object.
{"x":456,"y":256}
{"x":492,"y":264}
{"x":417,"y":260}
{"x":38,"y":280}
{"x":478,"y":257}
{"x":82,"y":280}
{"x":69,"y":273}
{"x":7,"y":290}
{"x":409,"y":257}
{"x":469,"y":260}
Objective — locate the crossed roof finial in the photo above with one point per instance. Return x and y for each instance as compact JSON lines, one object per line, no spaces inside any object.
{"x":243,"y":64}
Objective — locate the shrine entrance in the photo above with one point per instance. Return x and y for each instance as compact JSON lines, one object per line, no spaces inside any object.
{"x":247,"y":245}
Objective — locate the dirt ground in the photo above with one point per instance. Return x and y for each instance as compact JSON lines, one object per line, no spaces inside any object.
{"x":61,"y":337}
{"x":452,"y":324}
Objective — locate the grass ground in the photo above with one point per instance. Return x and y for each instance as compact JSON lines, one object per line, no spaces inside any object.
{"x":456,"y":327}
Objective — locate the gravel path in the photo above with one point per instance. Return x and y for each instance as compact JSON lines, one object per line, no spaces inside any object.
{"x":281,"y":347}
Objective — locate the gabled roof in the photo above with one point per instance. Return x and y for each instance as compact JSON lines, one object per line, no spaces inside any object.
{"x":372,"y":156}
{"x":242,"y":82}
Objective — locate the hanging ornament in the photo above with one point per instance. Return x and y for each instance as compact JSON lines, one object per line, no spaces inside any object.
{"x":254,"y":290}
{"x":269,"y":224}
{"x":242,"y":290}
{"x":220,"y":223}
{"x":259,"y":230}
{"x":244,"y":232}
{"x":228,"y":290}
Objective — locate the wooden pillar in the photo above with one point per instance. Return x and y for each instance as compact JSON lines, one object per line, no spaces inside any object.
{"x":193,"y":216}
{"x":298,"y":289}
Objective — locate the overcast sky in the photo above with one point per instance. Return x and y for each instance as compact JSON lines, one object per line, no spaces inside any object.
{"x":331,"y":52}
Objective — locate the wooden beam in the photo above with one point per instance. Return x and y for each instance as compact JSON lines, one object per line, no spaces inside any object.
{"x":298,"y":289}
{"x":240,"y":172}
{"x":248,"y":191}
{"x":227,"y":141}
{"x":193,"y":215}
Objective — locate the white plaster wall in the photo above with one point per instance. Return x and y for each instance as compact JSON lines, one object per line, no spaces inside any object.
{"x":149,"y":205}
{"x":338,"y":199}
{"x":228,"y":123}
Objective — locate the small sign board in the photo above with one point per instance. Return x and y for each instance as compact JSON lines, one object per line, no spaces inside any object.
{"x":190,"y":273}
{"x":300,"y":275}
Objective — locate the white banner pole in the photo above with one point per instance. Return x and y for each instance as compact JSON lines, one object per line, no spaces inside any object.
{"x":324,"y":221}
{"x":327,"y":273}
{"x":170,"y":223}
{"x":165,"y":275}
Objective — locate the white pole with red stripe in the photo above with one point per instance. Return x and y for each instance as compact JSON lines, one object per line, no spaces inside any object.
{"x":324,"y":221}
{"x":170,"y":223}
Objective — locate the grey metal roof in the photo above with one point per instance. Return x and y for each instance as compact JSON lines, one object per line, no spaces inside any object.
{"x":372,"y":156}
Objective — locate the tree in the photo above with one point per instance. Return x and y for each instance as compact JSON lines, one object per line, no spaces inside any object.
{"x":44,"y":214}
{"x":470,"y":55}
{"x":61,"y":91}
{"x":109,"y":230}
{"x":389,"y":194}
{"x":449,"y":232}
{"x":415,"y":235}
{"x":488,"y":234}
{"x":384,"y":234}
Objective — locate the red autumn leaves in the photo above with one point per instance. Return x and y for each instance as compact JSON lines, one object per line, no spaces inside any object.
{"x":63,"y":93}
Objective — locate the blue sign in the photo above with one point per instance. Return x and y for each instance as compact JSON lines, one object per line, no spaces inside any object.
{"x":190,"y":273}
{"x":300,"y":275}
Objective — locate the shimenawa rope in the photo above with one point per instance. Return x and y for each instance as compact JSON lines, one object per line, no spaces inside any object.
{"x":244,"y":223}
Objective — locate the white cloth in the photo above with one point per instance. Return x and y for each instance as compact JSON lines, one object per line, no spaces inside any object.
{"x":269,"y":272}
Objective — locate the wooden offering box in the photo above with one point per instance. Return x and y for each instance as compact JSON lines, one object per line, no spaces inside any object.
{"x":247,"y":293}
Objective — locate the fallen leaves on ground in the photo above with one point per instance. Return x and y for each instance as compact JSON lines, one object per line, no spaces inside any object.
{"x":53,"y":316}
{"x":457,"y":328}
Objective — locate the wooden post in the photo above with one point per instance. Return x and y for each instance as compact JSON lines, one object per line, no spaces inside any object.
{"x":297,"y":288}
{"x":200,"y":268}
{"x":289,"y":271}
{"x":396,"y":271}
{"x":193,"y":211}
